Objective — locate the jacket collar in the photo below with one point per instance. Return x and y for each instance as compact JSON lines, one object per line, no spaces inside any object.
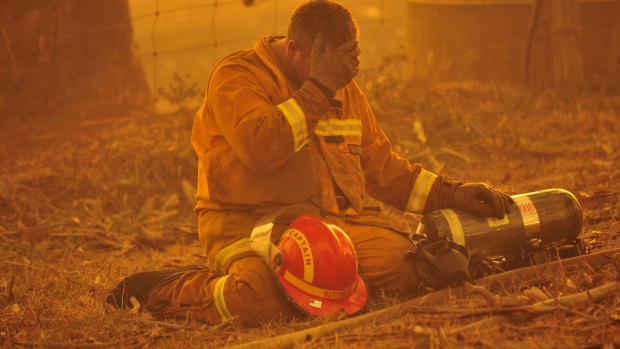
{"x":265,"y":54}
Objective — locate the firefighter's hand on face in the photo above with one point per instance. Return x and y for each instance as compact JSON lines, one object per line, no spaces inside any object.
{"x":336,"y":68}
{"x":482,"y":200}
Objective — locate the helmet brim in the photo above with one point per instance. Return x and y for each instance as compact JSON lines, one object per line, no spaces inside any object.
{"x":320,"y":306}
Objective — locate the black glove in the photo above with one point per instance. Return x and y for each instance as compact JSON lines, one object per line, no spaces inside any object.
{"x":482,"y":200}
{"x":336,"y":68}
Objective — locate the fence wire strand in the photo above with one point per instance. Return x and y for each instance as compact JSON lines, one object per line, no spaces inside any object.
{"x":214,"y":44}
{"x":154,"y":48}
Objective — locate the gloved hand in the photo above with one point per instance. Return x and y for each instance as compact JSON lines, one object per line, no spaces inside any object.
{"x":336,"y":68}
{"x":482,"y":200}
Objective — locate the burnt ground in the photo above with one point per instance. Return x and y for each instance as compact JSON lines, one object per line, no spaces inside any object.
{"x":85,"y":202}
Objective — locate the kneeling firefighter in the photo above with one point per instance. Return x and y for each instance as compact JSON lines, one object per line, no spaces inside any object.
{"x":313,"y":270}
{"x":314,"y":265}
{"x":283,"y":123}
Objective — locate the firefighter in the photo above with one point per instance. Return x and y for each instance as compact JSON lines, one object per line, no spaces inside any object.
{"x":284,"y":128}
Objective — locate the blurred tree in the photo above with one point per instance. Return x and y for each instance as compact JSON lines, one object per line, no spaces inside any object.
{"x":553,"y":56}
{"x":70,"y":57}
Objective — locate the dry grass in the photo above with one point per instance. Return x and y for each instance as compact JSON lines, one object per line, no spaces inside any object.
{"x":86,"y":203}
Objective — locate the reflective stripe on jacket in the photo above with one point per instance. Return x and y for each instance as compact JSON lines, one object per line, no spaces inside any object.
{"x":261,"y":141}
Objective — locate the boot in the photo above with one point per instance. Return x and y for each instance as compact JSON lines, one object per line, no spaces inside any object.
{"x":141,"y":285}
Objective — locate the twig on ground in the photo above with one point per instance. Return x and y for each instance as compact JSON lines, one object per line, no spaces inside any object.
{"x":595,"y":293}
{"x":126,"y":341}
{"x":561,"y":267}
{"x":225,"y":324}
{"x":538,"y":327}
{"x":528,"y":274}
{"x":10,"y":289}
{"x":576,"y":312}
{"x":479,"y":290}
{"x":168,"y":324}
{"x":441,"y":296}
{"x":484,"y":343}
{"x":601,"y":324}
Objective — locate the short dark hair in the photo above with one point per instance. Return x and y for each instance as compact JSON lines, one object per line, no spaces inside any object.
{"x":333,"y":19}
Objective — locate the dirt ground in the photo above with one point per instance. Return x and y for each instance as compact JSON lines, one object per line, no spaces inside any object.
{"x":86,"y":202}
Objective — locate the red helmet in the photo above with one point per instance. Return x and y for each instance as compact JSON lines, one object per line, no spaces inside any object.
{"x":318,"y":268}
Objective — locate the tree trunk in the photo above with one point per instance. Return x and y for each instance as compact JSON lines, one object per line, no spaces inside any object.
{"x":553,"y":57}
{"x":68,"y":57}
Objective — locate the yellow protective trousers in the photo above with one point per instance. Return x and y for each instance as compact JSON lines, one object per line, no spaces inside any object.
{"x":245,"y":289}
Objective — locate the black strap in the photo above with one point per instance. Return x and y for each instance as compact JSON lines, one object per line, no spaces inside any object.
{"x":441,"y":263}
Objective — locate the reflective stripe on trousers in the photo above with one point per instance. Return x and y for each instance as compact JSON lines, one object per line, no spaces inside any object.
{"x":218,"y":297}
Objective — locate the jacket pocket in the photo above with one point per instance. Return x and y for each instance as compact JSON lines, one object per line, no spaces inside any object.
{"x":230,"y":181}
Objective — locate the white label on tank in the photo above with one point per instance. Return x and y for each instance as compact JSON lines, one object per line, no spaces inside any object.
{"x":455,"y":226}
{"x":531,"y":221}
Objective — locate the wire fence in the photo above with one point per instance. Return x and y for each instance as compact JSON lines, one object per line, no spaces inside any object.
{"x":211,"y":43}
{"x":188,"y":37}
{"x":154,"y":39}
{"x":383,"y":26}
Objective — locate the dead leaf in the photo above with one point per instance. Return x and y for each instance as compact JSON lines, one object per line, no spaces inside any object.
{"x":535,"y":294}
{"x":34,"y":235}
{"x":593,"y":220}
{"x":93,"y":206}
{"x":148,"y":207}
{"x":135,"y":305}
{"x":126,"y":246}
{"x":429,"y":158}
{"x":156,"y":332}
{"x":187,"y":229}
{"x":587,"y":278}
{"x":161,"y":217}
{"x":450,"y":151}
{"x":597,"y":199}
{"x":172,"y":201}
{"x":85,"y":300}
{"x":152,"y":239}
{"x":189,"y":190}
{"x":418,"y":130}
{"x":21,"y":336}
{"x":56,"y":271}
{"x":93,"y":340}
{"x":421,"y":330}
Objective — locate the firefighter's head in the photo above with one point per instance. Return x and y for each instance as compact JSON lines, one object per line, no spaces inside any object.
{"x":333,"y":20}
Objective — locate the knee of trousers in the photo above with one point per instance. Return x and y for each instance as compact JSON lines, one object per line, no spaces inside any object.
{"x":248,"y":293}
{"x":251,"y":294}
{"x":381,"y":258}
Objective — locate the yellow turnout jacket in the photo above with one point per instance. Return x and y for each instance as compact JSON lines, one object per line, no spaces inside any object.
{"x":261,"y":142}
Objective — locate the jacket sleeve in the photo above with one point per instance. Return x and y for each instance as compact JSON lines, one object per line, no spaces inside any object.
{"x":263,"y":133}
{"x":393,"y":180}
